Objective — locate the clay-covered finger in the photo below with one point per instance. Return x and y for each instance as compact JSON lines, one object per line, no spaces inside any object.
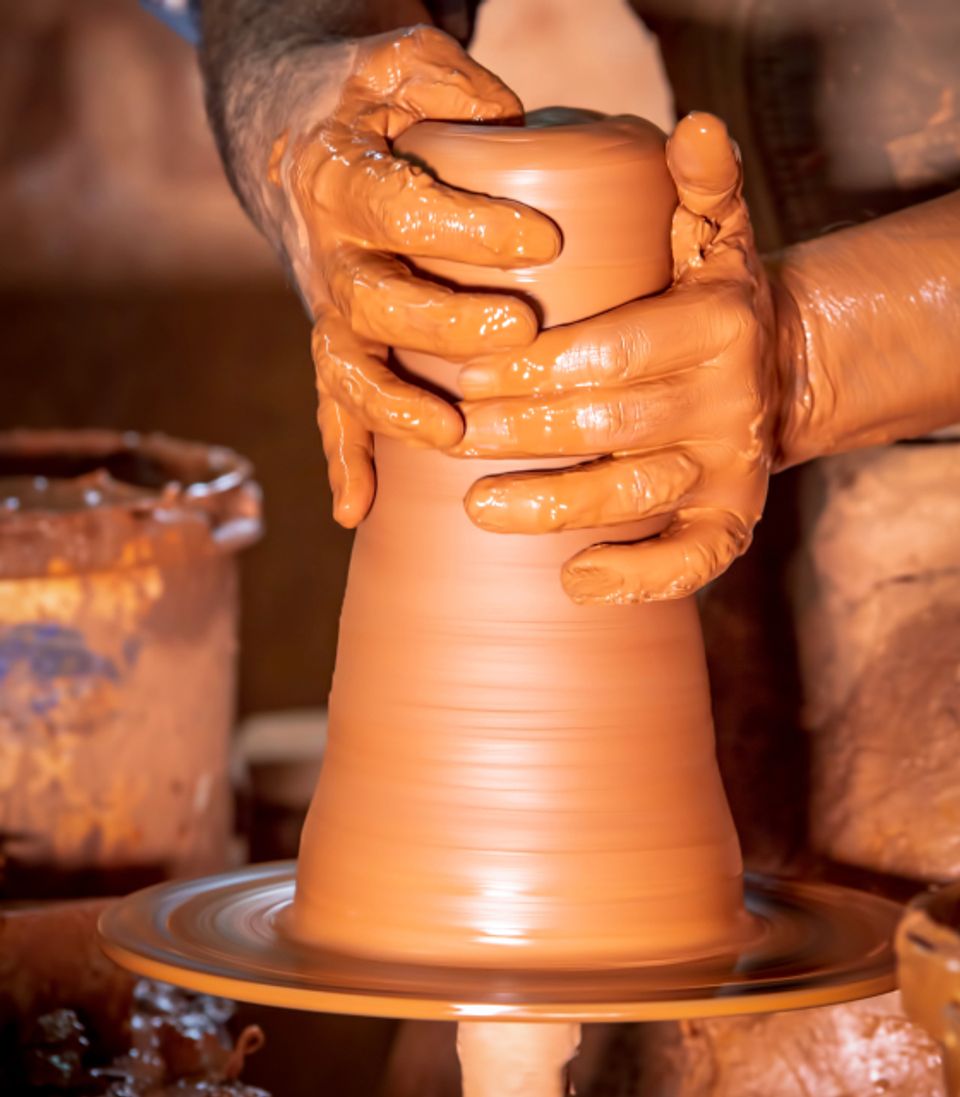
{"x":439,"y":78}
{"x":348,"y":447}
{"x":385,"y":302}
{"x":711,"y":236}
{"x":705,"y":165}
{"x":354,"y":373}
{"x":608,"y":492}
{"x":681,"y":329}
{"x":698,"y":546}
{"x":385,"y":201}
{"x":664,"y":412}
{"x":382,"y":201}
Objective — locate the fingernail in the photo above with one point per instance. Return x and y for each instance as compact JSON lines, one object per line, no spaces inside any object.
{"x":537,"y":240}
{"x":590,"y":583}
{"x":477,"y":381}
{"x":699,"y":153}
{"x":438,"y":424}
{"x":454,"y":429}
{"x":483,"y":430}
{"x":486,"y":507}
{"x":509,"y":328}
{"x":345,"y":513}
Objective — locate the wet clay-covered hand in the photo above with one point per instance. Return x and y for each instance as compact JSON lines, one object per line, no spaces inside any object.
{"x":343,"y":210}
{"x":359,"y":207}
{"x":689,"y":400}
{"x":676,"y":394}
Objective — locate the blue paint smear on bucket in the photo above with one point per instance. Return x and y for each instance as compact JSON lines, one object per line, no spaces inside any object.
{"x":52,"y":651}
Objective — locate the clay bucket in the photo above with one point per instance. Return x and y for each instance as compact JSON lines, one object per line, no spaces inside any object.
{"x":928,"y":954}
{"x":510,"y":778}
{"x":118,"y":644}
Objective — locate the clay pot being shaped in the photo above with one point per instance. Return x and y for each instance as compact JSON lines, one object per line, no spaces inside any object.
{"x":510,"y":778}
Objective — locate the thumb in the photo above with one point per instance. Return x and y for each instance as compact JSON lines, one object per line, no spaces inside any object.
{"x":705,"y":165}
{"x":422,"y":73}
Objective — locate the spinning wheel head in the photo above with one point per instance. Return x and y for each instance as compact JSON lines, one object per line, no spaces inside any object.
{"x":225,"y":935}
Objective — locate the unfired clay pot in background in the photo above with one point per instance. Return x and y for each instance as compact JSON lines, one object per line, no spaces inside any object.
{"x":118,"y":637}
{"x":511,"y":778}
{"x":928,"y":953}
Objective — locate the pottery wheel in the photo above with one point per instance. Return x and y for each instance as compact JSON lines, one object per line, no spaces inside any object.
{"x":820,"y":944}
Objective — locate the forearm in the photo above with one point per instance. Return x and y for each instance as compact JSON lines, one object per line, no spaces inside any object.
{"x":268,"y":64}
{"x":871,"y":333}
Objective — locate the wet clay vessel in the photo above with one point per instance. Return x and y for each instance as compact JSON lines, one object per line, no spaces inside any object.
{"x":513,"y":779}
{"x":519,"y":816}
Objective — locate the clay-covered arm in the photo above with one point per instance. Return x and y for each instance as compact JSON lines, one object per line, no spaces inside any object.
{"x":870,"y":329}
{"x":306,"y":97}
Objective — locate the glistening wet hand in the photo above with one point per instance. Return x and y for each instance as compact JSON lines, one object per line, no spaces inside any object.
{"x":675,"y":398}
{"x":354,"y":209}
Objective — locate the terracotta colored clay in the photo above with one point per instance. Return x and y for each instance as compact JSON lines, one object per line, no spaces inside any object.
{"x":49,"y":958}
{"x":676,"y":394}
{"x":229,"y":935}
{"x":510,"y":778}
{"x":343,"y":208}
{"x":740,"y":368}
{"x":877,"y":306}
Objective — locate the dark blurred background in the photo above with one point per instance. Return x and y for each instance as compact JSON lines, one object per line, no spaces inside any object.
{"x":135,"y":294}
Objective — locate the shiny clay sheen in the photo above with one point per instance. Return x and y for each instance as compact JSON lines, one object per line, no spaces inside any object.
{"x":513,"y":779}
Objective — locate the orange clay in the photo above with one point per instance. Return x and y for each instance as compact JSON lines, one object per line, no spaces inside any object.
{"x":875,"y":357}
{"x":352,"y":208}
{"x":522,"y":781}
{"x":675,"y":392}
{"x":227,"y":935}
{"x":695,"y":396}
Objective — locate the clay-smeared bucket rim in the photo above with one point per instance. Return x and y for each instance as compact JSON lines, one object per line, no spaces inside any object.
{"x":225,"y":935}
{"x":75,"y":502}
{"x":931,"y":927}
{"x":928,"y":955}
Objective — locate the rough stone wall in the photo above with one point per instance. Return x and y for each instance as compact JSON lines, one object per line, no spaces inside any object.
{"x":878,"y":616}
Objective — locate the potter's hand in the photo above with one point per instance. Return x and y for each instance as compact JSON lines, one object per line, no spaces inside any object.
{"x":678,"y":393}
{"x":360,"y":207}
{"x":342,"y":209}
{"x":693,"y":397}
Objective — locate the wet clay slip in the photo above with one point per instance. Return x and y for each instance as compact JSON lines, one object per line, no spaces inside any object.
{"x":519,"y":816}
{"x":512,"y":779}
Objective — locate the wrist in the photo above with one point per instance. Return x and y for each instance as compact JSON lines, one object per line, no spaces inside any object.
{"x":791,"y":372}
{"x":270,"y":104}
{"x":877,"y":311}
